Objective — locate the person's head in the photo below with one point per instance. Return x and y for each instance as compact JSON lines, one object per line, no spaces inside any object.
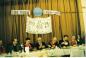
{"x":54,"y":40}
{"x":0,"y":42}
{"x":73,"y":37}
{"x":78,"y":36}
{"x":39,"y":39}
{"x":15,"y":41}
{"x":27,"y":41}
{"x":65,"y":37}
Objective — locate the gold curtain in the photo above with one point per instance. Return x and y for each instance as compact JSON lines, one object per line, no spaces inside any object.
{"x":70,"y":21}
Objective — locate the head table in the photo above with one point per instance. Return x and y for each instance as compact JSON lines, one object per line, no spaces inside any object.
{"x":78,"y":51}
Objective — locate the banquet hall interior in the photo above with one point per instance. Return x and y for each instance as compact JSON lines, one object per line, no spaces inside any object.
{"x":66,"y":21}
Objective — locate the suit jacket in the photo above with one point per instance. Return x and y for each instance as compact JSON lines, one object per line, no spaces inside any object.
{"x":2,"y":49}
{"x":37,"y":45}
{"x":16,"y":48}
{"x":11,"y":47}
{"x":55,"y":44}
{"x":61,"y":45}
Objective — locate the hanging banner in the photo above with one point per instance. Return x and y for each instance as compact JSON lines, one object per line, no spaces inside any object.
{"x":51,"y":12}
{"x":20,"y":12}
{"x":38,"y":25}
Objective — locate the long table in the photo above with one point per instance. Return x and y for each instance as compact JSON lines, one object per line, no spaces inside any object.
{"x":78,"y":51}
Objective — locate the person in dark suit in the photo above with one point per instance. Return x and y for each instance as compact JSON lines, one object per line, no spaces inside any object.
{"x":64,"y":42}
{"x":14,"y":46}
{"x":28,"y":44}
{"x":2,"y":48}
{"x":80,"y":40}
{"x":53,"y":43}
{"x":39,"y":44}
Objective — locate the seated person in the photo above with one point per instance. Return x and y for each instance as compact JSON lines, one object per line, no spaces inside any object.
{"x":2,"y":48}
{"x":28,"y":44}
{"x":14,"y":46}
{"x":64,"y":42}
{"x":80,"y":40}
{"x":73,"y":41}
{"x":39,"y":44}
{"x":53,"y":43}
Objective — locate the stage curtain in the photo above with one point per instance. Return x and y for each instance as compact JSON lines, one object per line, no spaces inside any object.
{"x":70,"y":22}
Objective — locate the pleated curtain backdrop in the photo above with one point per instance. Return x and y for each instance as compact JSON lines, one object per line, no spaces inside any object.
{"x":70,"y":21}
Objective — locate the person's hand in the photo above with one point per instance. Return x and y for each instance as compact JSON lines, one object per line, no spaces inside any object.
{"x":53,"y":46}
{"x":62,"y":43}
{"x":43,"y":46}
{"x":40,"y":46}
{"x":66,"y":43}
{"x":74,"y":45}
{"x":64,"y":46}
{"x":49,"y":46}
{"x":83,"y":44}
{"x":34,"y":49}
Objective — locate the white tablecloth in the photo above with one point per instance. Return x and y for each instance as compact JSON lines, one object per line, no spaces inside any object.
{"x":73,"y":52}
